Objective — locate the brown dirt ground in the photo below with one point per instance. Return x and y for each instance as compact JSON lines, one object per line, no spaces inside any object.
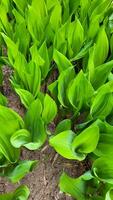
{"x":43,"y":181}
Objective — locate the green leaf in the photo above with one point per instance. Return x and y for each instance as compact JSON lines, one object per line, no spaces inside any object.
{"x":75,"y":147}
{"x":25,"y":96}
{"x":94,"y":27}
{"x":78,"y":37}
{"x":35,"y":55}
{"x":101,"y":47}
{"x":55,"y":19}
{"x":22,"y":36}
{"x":35,"y":125}
{"x":21,"y":5}
{"x":62,"y":62}
{"x":50,"y":109}
{"x":80,"y":91}
{"x":20,"y":138}
{"x":3,"y":100}
{"x":27,"y":75}
{"x":82,"y":143}
{"x":62,"y":144}
{"x":73,"y":5}
{"x":36,"y":19}
{"x":103,"y":169}
{"x":21,"y":193}
{"x":101,"y":74}
{"x":84,"y":10}
{"x":63,"y":81}
{"x":76,"y":187}
{"x":18,"y":17}
{"x":111,"y":43}
{"x":83,"y":51}
{"x":102,"y":102}
{"x":20,"y":171}
{"x":60,"y":42}
{"x":98,"y":8}
{"x":109,"y":194}
{"x":63,"y":126}
{"x":33,"y":78}
{"x":12,"y":48}
{"x":91,"y":66}
{"x":105,"y":145}
{"x":5,"y":25}
{"x":10,"y":119}
{"x":43,"y":51}
{"x":53,"y":88}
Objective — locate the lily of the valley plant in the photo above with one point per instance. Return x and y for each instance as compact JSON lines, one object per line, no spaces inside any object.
{"x":71,"y":41}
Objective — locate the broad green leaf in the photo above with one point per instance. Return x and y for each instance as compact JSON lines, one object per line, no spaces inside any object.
{"x":62,"y":144}
{"x":91,"y":66}
{"x":28,"y":75}
{"x":20,"y":138}
{"x":109,"y":194}
{"x":94,"y":27}
{"x":66,"y":13}
{"x":22,"y":36}
{"x":33,"y":78}
{"x":75,"y":147}
{"x":35,"y":125}
{"x":34,"y":109}
{"x":76,"y":187}
{"x":73,"y":5}
{"x":21,"y":193}
{"x":5,"y":26}
{"x":103,"y":169}
{"x":103,"y":101}
{"x":20,"y":171}
{"x":105,"y":145}
{"x":62,"y":62}
{"x":101,"y":74}
{"x":85,"y":5}
{"x":82,"y":143}
{"x":70,"y":35}
{"x":35,"y":56}
{"x":80,"y":91}
{"x":9,"y":114}
{"x":51,"y":3}
{"x":10,"y":122}
{"x":83,"y":51}
{"x":101,"y":47}
{"x":99,"y":8}
{"x":53,"y":88}
{"x":25,"y":96}
{"x":50,"y":109}
{"x":111,"y":43}
{"x":3,"y":100}
{"x":37,"y":16}
{"x":3,"y":162}
{"x":78,"y":37}
{"x":60,"y":42}
{"x":20,"y":65}
{"x":12,"y":48}
{"x":104,"y":127}
{"x":63,"y":81}
{"x":55,"y":19}
{"x":43,"y":51}
{"x":63,"y":126}
{"x":21,"y":5}
{"x":18,"y":17}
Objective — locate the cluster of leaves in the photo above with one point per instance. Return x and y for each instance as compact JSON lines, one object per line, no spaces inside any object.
{"x":73,"y":39}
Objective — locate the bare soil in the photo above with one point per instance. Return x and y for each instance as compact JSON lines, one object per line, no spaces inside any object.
{"x":43,"y":181}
